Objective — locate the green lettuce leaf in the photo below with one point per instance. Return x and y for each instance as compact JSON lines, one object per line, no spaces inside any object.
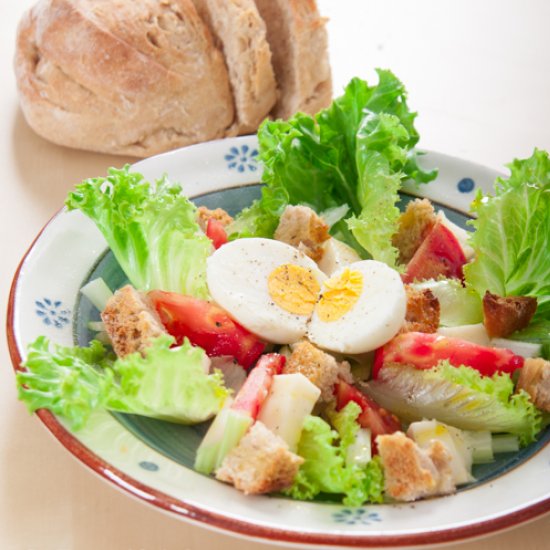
{"x":151,"y":229}
{"x":170,"y":383}
{"x":167,"y":383}
{"x":325,"y":470}
{"x":512,"y":235}
{"x":70,"y":382}
{"x":537,"y":332}
{"x":353,"y":154}
{"x":458,"y":396}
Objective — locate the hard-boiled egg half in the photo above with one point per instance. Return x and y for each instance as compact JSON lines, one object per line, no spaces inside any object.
{"x":277,"y":292}
{"x":269,"y":287}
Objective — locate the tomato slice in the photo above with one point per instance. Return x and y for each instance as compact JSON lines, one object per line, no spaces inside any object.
{"x":374,"y":417}
{"x":256,"y":387}
{"x":206,"y":325}
{"x":424,"y":351}
{"x":439,"y":254}
{"x":215,"y":231}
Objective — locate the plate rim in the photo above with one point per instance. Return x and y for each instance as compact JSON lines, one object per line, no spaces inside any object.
{"x":236,"y":527}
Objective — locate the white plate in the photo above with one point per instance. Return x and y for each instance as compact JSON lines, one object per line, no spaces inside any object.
{"x":44,"y":301}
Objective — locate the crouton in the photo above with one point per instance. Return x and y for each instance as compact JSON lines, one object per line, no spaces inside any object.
{"x":130,"y":321}
{"x":302,"y":228}
{"x":414,"y":224}
{"x":422,"y":310}
{"x":260,"y":463}
{"x":503,"y":316}
{"x":219,"y":214}
{"x":318,"y":367}
{"x":534,"y":378}
{"x":410,"y":472}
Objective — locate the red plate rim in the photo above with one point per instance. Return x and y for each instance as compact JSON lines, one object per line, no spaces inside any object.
{"x":236,"y":527}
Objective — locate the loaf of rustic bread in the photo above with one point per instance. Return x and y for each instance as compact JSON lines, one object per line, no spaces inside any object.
{"x":142,"y":77}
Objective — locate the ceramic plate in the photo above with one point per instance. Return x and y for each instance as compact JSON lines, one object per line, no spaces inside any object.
{"x":152,"y":460}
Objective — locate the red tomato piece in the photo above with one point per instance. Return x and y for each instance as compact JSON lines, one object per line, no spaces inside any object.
{"x":215,"y":231}
{"x":374,"y":417}
{"x":439,"y":254}
{"x":424,"y":351}
{"x":206,"y":325}
{"x":256,"y":387}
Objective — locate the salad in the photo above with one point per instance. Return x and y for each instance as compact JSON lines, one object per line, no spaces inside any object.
{"x":337,"y":346}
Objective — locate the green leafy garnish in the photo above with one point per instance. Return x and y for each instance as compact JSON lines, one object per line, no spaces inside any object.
{"x":70,"y":382}
{"x":459,"y":396}
{"x":355,"y":153}
{"x":151,"y":230}
{"x":325,"y":470}
{"x":538,"y":332}
{"x":514,"y":411}
{"x":512,"y":235}
{"x":166,"y":383}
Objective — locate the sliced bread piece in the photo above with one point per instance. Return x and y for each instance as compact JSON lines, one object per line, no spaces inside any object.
{"x":298,"y":39}
{"x":240,"y":33}
{"x":121,"y":77}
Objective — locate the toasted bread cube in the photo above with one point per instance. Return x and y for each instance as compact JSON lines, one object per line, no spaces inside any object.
{"x":130,"y":321}
{"x":218,"y":214}
{"x":301,"y":227}
{"x":534,"y":378}
{"x":410,"y":472}
{"x":504,"y":315}
{"x":318,"y":367}
{"x":260,"y":463}
{"x":422,"y":310}
{"x":414,"y":224}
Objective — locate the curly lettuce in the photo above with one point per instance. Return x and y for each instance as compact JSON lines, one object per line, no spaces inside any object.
{"x":458,"y":396}
{"x":354,"y":154}
{"x":166,"y":383}
{"x":537,"y":332}
{"x":151,"y":230}
{"x":325,"y":470}
{"x":512,"y":235}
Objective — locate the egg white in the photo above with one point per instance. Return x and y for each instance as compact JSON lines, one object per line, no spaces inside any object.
{"x":237,"y":277}
{"x":372,"y":321}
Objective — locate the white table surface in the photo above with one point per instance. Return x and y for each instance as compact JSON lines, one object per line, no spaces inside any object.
{"x":478,"y":72}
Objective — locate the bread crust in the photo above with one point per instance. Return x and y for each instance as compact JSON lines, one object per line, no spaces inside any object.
{"x":298,"y":38}
{"x":411,"y":473}
{"x":114,"y":77}
{"x":260,"y":463}
{"x":131,"y":321}
{"x":247,"y":56}
{"x":534,"y":378}
{"x":414,"y":225}
{"x":301,"y":227}
{"x":318,"y":367}
{"x":504,"y":315}
{"x":422,"y":311}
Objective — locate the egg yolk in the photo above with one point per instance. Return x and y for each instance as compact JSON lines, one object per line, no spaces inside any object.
{"x":294,"y":288}
{"x":340,"y":294}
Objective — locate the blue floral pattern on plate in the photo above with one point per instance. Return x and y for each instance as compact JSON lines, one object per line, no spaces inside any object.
{"x":356,"y":516}
{"x":149,"y":466}
{"x":242,"y":158}
{"x":52,"y":312}
{"x":466,"y":185}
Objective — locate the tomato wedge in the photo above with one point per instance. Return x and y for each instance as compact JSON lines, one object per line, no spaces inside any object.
{"x":215,"y":231}
{"x":374,"y":417}
{"x":256,"y":387}
{"x":206,"y":325}
{"x":439,"y":254}
{"x":424,"y":351}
